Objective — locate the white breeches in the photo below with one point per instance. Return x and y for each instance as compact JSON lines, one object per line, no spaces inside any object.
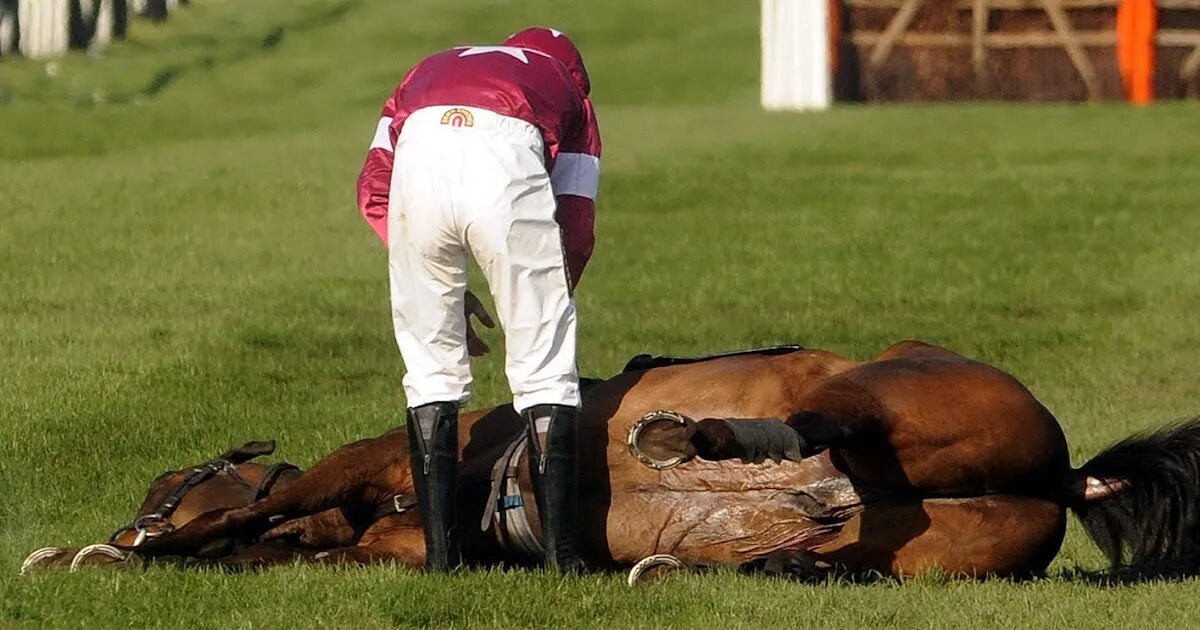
{"x":480,"y":188}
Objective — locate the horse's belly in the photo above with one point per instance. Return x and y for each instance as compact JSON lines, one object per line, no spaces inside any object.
{"x":725,"y":513}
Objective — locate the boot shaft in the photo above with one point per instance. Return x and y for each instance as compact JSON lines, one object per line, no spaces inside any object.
{"x":552,"y":434}
{"x":433,"y":431}
{"x":554,"y":467}
{"x":433,"y":456}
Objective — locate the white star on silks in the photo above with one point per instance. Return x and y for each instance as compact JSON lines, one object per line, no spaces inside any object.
{"x":515,"y":53}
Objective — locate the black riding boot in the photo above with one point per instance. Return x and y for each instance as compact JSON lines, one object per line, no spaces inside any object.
{"x":433,"y":455}
{"x":554,"y":467}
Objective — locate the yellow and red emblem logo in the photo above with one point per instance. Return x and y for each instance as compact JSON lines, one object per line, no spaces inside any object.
{"x":458,"y":117}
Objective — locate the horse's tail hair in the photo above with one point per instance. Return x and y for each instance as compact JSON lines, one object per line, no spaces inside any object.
{"x":1139,"y":500}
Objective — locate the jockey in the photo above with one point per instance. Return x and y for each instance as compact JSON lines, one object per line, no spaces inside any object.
{"x":495,"y":151}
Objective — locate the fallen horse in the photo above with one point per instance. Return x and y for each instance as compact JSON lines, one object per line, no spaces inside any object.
{"x":920,"y":459}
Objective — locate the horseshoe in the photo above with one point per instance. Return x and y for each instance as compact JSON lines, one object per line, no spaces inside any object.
{"x":645,"y":564}
{"x":94,"y":550}
{"x":39,"y":556}
{"x":636,"y":432}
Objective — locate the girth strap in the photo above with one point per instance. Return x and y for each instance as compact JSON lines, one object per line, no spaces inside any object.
{"x":506,"y":503}
{"x":496,"y":481}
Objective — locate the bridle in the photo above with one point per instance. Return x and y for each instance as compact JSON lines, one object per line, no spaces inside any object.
{"x":158,"y":522}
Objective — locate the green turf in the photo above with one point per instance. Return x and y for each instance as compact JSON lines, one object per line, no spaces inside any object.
{"x":182,"y":268}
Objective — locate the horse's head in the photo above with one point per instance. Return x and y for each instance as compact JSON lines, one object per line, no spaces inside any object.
{"x":178,"y":496}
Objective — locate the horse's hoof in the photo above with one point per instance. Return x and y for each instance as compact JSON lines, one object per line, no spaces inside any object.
{"x":41,"y":555}
{"x":653,"y":567}
{"x":662,"y":439}
{"x":98,"y":554}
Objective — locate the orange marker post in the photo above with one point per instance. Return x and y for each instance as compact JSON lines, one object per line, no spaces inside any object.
{"x":1137,"y":24}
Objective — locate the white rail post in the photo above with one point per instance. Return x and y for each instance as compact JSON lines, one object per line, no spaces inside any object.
{"x":102,"y":34}
{"x":45,"y":27}
{"x":795,"y":55}
{"x":8,"y":27}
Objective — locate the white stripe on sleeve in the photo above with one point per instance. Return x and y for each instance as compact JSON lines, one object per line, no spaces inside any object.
{"x":576,"y":174}
{"x":383,"y":135}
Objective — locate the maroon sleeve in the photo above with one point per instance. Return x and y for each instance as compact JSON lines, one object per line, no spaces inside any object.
{"x":375,"y":179}
{"x":577,"y":217}
{"x":576,"y":179}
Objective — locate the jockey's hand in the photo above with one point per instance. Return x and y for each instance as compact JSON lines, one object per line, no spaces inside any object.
{"x":472,"y":306}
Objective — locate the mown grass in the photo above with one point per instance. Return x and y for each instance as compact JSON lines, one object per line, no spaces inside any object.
{"x":182,"y":268}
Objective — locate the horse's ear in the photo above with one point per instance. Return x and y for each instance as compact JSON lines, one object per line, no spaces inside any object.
{"x":248,"y":451}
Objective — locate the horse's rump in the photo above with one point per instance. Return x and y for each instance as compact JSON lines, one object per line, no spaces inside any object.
{"x":948,"y":426}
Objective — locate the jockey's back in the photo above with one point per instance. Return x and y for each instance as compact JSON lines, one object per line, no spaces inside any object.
{"x":515,"y":82}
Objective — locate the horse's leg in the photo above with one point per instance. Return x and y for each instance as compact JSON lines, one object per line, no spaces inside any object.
{"x":356,"y":475}
{"x":804,"y":434}
{"x":398,"y":538}
{"x":1003,"y":536}
{"x":395,"y":538}
{"x":256,"y":556}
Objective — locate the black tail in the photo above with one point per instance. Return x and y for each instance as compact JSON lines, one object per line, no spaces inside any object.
{"x":1152,"y":525}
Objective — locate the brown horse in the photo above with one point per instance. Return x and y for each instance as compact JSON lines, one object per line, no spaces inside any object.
{"x":920,"y":459}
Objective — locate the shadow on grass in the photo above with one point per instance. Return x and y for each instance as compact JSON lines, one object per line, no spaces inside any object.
{"x":1128,"y":576}
{"x":246,"y":48}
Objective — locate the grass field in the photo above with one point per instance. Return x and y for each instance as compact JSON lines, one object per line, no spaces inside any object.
{"x":182,"y":268}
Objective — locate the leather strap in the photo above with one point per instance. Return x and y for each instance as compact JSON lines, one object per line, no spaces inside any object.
{"x":646,"y":361}
{"x":500,"y":472}
{"x":271,"y":476}
{"x":399,"y":504}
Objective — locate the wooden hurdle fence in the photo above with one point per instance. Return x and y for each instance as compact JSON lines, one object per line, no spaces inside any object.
{"x":1135,"y":38}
